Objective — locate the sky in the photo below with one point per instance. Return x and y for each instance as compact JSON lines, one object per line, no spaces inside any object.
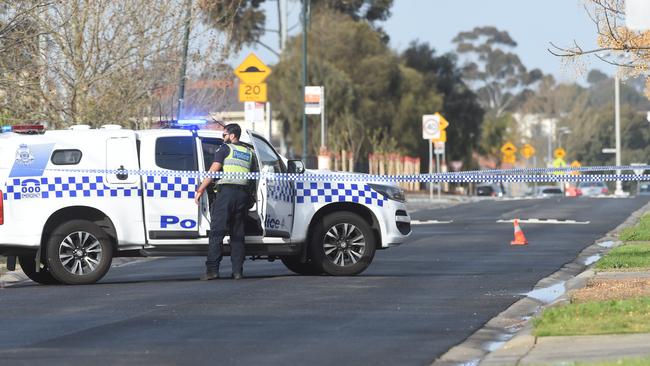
{"x":531,"y":23}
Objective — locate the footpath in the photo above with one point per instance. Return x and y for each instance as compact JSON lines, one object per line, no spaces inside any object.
{"x":593,"y":311}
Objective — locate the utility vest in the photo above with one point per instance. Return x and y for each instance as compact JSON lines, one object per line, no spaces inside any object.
{"x":239,"y":160}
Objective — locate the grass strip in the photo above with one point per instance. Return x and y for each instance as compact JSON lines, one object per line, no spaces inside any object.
{"x":595,"y":317}
{"x":638,"y":232}
{"x":619,"y":362}
{"x":627,"y":256}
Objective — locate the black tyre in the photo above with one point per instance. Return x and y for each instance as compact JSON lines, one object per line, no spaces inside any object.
{"x":43,"y":276}
{"x":79,"y":253}
{"x":342,"y":244}
{"x":306,"y":269}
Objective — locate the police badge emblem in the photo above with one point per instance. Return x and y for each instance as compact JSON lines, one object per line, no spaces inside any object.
{"x":24,"y":155}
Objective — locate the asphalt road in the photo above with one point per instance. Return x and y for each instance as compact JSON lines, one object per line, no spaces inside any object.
{"x":413,"y":304}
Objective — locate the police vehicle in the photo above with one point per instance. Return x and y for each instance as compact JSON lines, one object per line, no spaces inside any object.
{"x":67,"y":206}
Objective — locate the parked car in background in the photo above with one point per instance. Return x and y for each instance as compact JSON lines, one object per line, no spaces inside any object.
{"x":643,"y":189}
{"x":490,"y":189}
{"x":549,"y":191}
{"x":593,"y":188}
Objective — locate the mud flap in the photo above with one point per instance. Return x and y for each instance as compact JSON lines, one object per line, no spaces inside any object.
{"x":11,"y":263}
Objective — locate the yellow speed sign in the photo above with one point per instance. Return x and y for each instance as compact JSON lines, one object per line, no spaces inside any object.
{"x":528,"y":151}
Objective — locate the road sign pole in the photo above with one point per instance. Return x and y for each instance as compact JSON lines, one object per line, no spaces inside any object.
{"x":617,"y":102}
{"x":430,"y":169}
{"x":438,"y":171}
{"x":534,"y":166}
{"x":444,"y":161}
{"x":269,"y":118}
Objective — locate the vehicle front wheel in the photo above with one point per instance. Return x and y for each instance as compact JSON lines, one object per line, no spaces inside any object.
{"x":43,"y":276}
{"x":79,"y":252}
{"x":306,"y":269}
{"x":343,"y":244}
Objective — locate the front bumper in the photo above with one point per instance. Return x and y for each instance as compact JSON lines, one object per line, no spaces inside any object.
{"x":398,"y":225}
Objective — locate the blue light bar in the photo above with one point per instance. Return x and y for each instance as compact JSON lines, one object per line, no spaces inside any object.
{"x":191,"y":122}
{"x":6,"y":129}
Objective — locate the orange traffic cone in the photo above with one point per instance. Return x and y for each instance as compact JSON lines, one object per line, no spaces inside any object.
{"x":520,"y":238}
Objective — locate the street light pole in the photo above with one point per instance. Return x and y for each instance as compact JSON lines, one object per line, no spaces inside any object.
{"x":182,"y":76}
{"x":617,"y":109}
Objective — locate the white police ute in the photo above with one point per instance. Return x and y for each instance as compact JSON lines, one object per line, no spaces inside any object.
{"x":68,"y":205}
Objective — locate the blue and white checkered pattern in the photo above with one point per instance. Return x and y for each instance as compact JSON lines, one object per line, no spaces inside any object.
{"x":321,"y":192}
{"x":64,"y":187}
{"x":281,"y":191}
{"x":170,"y":187}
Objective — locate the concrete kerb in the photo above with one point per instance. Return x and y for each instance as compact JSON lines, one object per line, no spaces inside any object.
{"x":507,"y":338}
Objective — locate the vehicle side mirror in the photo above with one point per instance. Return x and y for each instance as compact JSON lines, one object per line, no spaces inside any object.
{"x":296,"y":166}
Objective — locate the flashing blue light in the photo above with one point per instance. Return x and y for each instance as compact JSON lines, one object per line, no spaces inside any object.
{"x":191,"y":122}
{"x":6,"y":129}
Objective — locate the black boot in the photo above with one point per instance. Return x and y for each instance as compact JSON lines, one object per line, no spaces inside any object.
{"x":209,"y":276}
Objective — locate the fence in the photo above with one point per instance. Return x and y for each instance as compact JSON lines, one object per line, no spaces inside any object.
{"x":395,"y":164}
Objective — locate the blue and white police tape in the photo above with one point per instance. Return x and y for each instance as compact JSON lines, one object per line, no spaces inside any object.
{"x":510,"y":175}
{"x":553,"y":170}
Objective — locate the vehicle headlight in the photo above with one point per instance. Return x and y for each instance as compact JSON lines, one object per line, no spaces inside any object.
{"x":390,"y":192}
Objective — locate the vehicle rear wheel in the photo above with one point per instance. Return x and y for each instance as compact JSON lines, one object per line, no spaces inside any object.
{"x":306,"y":269}
{"x":343,"y":244}
{"x":43,"y":276}
{"x":79,"y":252}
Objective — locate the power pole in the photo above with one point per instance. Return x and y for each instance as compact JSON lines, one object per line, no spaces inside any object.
{"x":282,"y":23}
{"x":305,"y":5}
{"x":181,"y":76}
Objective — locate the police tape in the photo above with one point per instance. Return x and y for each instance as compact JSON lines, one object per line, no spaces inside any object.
{"x":531,"y":175}
{"x":555,"y":170}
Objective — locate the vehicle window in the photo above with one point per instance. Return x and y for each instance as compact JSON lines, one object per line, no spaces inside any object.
{"x":176,"y":153}
{"x":552,"y":190}
{"x":209,"y":147}
{"x":268,"y":157}
{"x":66,"y":157}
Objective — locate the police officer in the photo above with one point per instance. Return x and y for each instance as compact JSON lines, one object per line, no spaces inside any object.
{"x":231,"y":203}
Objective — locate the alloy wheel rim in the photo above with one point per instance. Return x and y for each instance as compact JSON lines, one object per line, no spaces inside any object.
{"x":344,"y":244}
{"x":80,"y":253}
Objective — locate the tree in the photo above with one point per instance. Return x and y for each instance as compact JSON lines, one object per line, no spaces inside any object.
{"x":591,"y":116}
{"x":369,"y":94}
{"x":460,"y":105}
{"x":246,"y":21}
{"x":104,"y":61}
{"x":243,"y":19}
{"x":596,"y":76}
{"x":496,"y":74}
{"x":495,"y":131}
{"x":617,"y":45}
{"x":19,"y":70}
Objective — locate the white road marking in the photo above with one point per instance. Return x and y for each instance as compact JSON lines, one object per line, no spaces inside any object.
{"x":547,"y":221}
{"x":430,"y":222}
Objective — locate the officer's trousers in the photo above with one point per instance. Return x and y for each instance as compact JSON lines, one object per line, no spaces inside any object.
{"x":227,"y":217}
